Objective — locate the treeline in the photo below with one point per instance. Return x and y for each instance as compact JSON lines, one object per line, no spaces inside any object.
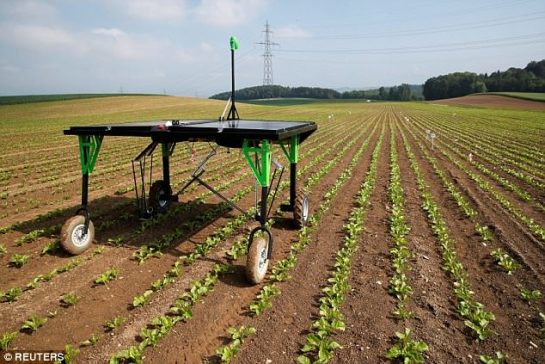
{"x":528,"y":79}
{"x":403,"y":92}
{"x":275,"y":91}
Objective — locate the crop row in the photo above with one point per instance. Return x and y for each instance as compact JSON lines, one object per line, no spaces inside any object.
{"x":319,"y":342}
{"x":476,"y":317}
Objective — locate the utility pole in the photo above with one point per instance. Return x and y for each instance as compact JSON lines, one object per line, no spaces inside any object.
{"x":267,"y":56}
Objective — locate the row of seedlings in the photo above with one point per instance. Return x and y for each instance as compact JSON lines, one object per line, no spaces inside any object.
{"x":477,"y":318}
{"x":405,"y":347}
{"x":320,"y":343}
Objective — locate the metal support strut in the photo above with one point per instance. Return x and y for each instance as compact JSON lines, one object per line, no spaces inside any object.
{"x":291,"y":154}
{"x":166,"y":151}
{"x":198,"y":172}
{"x":89,"y":147}
{"x":141,"y":200}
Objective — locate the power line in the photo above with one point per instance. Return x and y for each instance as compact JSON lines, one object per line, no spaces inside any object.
{"x":442,"y":29}
{"x":479,"y":44}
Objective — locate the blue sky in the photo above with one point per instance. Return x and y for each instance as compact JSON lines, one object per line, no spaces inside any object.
{"x":181,"y":47}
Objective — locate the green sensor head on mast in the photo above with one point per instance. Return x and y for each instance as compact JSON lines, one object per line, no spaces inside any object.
{"x":234,"y":43}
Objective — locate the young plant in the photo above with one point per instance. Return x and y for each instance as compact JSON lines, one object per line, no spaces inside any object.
{"x":529,"y":295}
{"x":145,"y":252}
{"x":402,"y":312}
{"x":500,"y":358}
{"x":318,"y":342}
{"x":504,"y":260}
{"x":107,"y":276}
{"x":484,"y":232}
{"x":98,"y":251}
{"x":142,"y":299}
{"x":18,"y":260}
{"x":133,"y":354}
{"x":228,"y":352}
{"x":70,"y":353}
{"x":6,"y":339}
{"x":117,"y":241}
{"x":176,"y":270}
{"x":33,"y":323}
{"x":51,"y":247}
{"x":479,"y":320}
{"x":263,"y":300}
{"x":114,"y":323}
{"x":150,"y":337}
{"x":69,"y":299}
{"x":407,"y":349}
{"x":90,"y":341}
{"x":11,"y":294}
{"x":3,"y":249}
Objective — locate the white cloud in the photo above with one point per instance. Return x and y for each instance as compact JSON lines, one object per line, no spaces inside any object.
{"x":155,"y":10}
{"x":36,"y":37}
{"x":8,"y":68}
{"x":29,"y":11}
{"x":99,"y":44}
{"x":292,"y":32}
{"x":113,"y":42}
{"x":110,"y":32}
{"x":229,"y":12}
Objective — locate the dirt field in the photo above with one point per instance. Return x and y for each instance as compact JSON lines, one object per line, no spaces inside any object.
{"x":494,"y":101}
{"x":354,"y":153}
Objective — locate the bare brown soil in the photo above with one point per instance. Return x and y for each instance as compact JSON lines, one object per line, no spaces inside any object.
{"x":494,"y":101}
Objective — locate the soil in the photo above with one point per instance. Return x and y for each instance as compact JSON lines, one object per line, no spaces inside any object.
{"x":281,"y":330}
{"x":494,"y":101}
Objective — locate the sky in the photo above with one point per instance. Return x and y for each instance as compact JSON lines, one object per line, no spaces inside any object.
{"x":181,"y":47}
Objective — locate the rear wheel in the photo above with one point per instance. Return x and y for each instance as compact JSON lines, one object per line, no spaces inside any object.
{"x":73,"y":237}
{"x":301,"y":209}
{"x":160,"y":196}
{"x":257,"y":260}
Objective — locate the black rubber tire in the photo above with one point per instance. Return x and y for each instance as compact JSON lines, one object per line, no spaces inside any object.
{"x":160,"y":197}
{"x":257,"y":261}
{"x":72,"y":238}
{"x":301,"y":209}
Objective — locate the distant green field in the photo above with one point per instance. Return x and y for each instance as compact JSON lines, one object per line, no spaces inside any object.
{"x":533,"y":96}
{"x":25,"y":99}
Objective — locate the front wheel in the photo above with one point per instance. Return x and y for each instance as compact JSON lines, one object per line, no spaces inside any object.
{"x":301,"y":210}
{"x":257,"y":260}
{"x":160,"y":196}
{"x":73,"y":237}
